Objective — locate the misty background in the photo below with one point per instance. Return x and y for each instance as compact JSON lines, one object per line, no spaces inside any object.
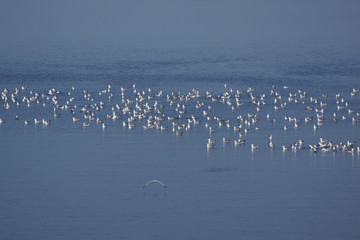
{"x":193,"y":21}
{"x":179,"y":41}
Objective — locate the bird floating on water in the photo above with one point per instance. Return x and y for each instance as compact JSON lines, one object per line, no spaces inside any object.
{"x":184,"y":112}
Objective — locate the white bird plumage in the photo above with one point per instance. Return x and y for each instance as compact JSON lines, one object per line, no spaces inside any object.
{"x":155,"y":181}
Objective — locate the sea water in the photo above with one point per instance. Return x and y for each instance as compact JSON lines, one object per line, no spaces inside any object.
{"x":66,"y":181}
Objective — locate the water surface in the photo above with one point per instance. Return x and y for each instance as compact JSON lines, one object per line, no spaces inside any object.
{"x":65,"y":181}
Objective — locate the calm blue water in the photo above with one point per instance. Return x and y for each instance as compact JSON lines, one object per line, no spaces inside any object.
{"x":66,"y":181}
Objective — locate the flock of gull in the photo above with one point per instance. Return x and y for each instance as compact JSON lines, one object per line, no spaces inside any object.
{"x":237,"y":111}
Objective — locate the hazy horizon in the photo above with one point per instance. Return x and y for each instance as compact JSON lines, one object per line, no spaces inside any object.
{"x":194,"y":21}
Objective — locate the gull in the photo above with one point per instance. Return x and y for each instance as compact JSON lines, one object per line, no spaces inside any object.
{"x":226,"y":140}
{"x":155,"y":181}
{"x":46,"y":122}
{"x":56,"y":115}
{"x":253,"y":147}
{"x":239,"y":142}
{"x":284,"y":148}
{"x":308,"y":119}
{"x":210,"y":145}
{"x":237,"y":129}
